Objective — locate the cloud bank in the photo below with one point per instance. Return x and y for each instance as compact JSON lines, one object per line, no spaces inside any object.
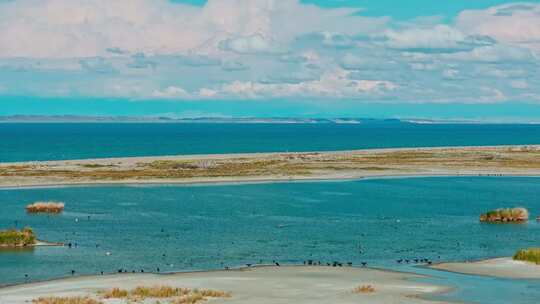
{"x":249,"y":49}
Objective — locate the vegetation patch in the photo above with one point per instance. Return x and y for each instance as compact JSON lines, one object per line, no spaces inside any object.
{"x":17,"y":238}
{"x":506,"y":215}
{"x":174,"y":294}
{"x":528,"y":255}
{"x":364,"y":289}
{"x":65,"y":300}
{"x":45,"y":207}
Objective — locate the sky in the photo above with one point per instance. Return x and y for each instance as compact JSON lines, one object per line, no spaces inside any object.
{"x":447,"y":59}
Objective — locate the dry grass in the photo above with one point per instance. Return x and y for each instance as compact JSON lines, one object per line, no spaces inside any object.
{"x":506,"y":215}
{"x":528,"y":255}
{"x":480,"y":160}
{"x":115,"y":293}
{"x":45,"y":207}
{"x":176,"y":295}
{"x":364,"y":289}
{"x":66,"y":300}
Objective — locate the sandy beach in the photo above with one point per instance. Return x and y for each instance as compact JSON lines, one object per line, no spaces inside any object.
{"x":501,"y":267}
{"x":290,"y":284}
{"x":263,"y":167}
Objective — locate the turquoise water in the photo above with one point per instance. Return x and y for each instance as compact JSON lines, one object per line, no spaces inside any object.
{"x":24,"y":142}
{"x":179,"y":228}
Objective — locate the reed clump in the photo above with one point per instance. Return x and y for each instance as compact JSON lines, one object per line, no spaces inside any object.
{"x":45,"y":207}
{"x":115,"y":293}
{"x":65,"y":300}
{"x":528,"y":255}
{"x":364,"y":289}
{"x":506,"y":215}
{"x":176,"y":295}
{"x":17,"y":238}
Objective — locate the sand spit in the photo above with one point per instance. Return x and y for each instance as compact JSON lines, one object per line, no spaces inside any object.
{"x":265,"y":167}
{"x":501,"y":267}
{"x":261,"y":285}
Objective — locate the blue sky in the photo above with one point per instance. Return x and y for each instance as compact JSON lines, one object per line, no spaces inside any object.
{"x":419,"y":58}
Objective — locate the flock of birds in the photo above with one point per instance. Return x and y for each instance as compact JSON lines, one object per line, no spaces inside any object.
{"x":424,"y":261}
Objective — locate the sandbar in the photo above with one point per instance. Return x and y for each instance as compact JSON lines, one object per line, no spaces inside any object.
{"x":500,"y":267}
{"x":286,"y":284}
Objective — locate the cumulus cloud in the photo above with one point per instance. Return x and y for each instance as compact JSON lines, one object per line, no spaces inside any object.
{"x":172,"y":92}
{"x":510,"y":23}
{"x":441,"y":38}
{"x":159,"y":49}
{"x":331,"y":84}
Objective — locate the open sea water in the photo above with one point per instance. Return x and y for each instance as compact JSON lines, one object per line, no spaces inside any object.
{"x":203,"y":227}
{"x":54,"y":141}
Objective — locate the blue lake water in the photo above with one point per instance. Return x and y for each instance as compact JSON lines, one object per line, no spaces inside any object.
{"x":198,"y":227}
{"x":24,"y":142}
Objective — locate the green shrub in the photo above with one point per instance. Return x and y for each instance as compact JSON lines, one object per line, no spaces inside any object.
{"x":528,"y":255}
{"x":17,"y":238}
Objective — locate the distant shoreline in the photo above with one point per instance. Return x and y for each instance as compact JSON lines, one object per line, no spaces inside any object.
{"x":504,"y":160}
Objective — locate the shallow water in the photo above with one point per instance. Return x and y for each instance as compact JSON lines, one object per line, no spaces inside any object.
{"x":482,"y":289}
{"x":197,"y":227}
{"x":26,"y":142}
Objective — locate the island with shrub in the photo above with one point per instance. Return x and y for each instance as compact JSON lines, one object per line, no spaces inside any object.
{"x":23,"y":238}
{"x":506,"y":215}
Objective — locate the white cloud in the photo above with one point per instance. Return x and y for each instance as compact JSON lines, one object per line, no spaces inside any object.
{"x":172,"y":92}
{"x":78,"y":28}
{"x":250,"y":44}
{"x":331,"y":84}
{"x":510,"y":23}
{"x":264,"y":49}
{"x":519,"y":84}
{"x":436,"y":39}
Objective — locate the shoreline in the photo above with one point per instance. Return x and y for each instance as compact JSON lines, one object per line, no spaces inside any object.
{"x":502,"y":267}
{"x":259,"y":284}
{"x":512,"y":161}
{"x":179,"y":183}
{"x":263,"y":154}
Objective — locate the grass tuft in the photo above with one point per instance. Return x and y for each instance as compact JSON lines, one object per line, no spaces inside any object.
{"x":115,"y":293}
{"x":528,"y":255}
{"x":178,"y":295}
{"x":45,"y":207}
{"x":364,"y":289}
{"x":65,"y":300}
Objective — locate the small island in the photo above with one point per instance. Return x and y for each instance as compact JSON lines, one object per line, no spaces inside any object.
{"x":17,"y":238}
{"x":45,"y":207}
{"x":506,"y":215}
{"x":528,"y":255}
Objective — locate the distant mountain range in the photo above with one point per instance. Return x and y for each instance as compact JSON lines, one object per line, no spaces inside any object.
{"x":158,"y":119}
{"x":275,"y":120}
